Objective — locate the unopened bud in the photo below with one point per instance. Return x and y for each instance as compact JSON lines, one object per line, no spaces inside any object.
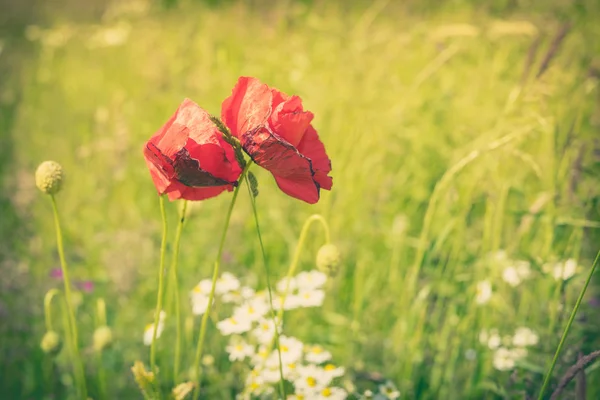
{"x":103,"y":338}
{"x":51,"y":343}
{"x":328,"y":259}
{"x":49,"y":177}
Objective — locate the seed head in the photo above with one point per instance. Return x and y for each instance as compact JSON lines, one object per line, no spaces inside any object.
{"x":328,"y":259}
{"x":51,"y":343}
{"x":103,"y":338}
{"x":49,"y":177}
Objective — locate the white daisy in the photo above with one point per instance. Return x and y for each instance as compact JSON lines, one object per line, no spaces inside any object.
{"x":332,"y":371}
{"x":199,"y":304}
{"x":149,"y":330}
{"x":389,"y":390}
{"x":227,"y":283}
{"x":310,"y":380}
{"x":504,"y":359}
{"x":284,"y":287}
{"x":483,"y":292}
{"x":202,"y":288}
{"x":252,"y":310}
{"x":562,"y":270}
{"x":524,"y":337}
{"x":511,"y":276}
{"x":309,"y":280}
{"x":265,"y":331}
{"x":317,"y":354}
{"x":238,"y":296}
{"x":311,"y":298}
{"x":291,"y":349}
{"x":239,"y":350}
{"x":232,"y":325}
{"x":332,"y":393}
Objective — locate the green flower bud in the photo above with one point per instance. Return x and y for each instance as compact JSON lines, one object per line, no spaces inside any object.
{"x":102,"y":338}
{"x":49,"y":177}
{"x":51,"y":343}
{"x":328,"y":259}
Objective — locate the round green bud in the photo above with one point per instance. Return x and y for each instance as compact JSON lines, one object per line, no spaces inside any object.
{"x":51,"y":343}
{"x":49,"y":177}
{"x":103,"y":338}
{"x":328,"y":259}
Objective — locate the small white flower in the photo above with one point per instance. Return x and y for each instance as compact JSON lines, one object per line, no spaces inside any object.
{"x":239,"y":350}
{"x":310,"y":298}
{"x":505,"y":359}
{"x":290,"y":302}
{"x":562,"y":270}
{"x":239,"y":296}
{"x":227,"y":283}
{"x":270,"y":375}
{"x":308,"y":280}
{"x":202,"y":288}
{"x":511,"y":276}
{"x":252,"y":310}
{"x":332,"y":371}
{"x":255,"y":384}
{"x":494,"y":341}
{"x":283,"y":286}
{"x":199,"y":304}
{"x":261,"y":356}
{"x":291,"y":349}
{"x":232,"y":325}
{"x":149,"y":330}
{"x":524,"y":337}
{"x":332,"y":393}
{"x":310,"y":380}
{"x":389,"y":390}
{"x":317,"y":354}
{"x":483,"y":292}
{"x":523,"y":269}
{"x":265,"y":331}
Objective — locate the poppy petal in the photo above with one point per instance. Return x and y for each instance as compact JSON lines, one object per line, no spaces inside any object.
{"x":293,"y":171}
{"x":178,"y":190}
{"x":290,"y":121}
{"x":312,"y":147}
{"x":248,"y":106}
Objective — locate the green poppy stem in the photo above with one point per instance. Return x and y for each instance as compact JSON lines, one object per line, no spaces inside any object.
{"x":273,"y":316}
{"x":77,"y":361}
{"x":196,"y":366}
{"x":175,"y":277}
{"x":567,"y":328}
{"x":161,"y":274}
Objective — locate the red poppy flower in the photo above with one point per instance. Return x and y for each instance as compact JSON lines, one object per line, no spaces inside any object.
{"x":188,"y":158}
{"x":276,"y":131}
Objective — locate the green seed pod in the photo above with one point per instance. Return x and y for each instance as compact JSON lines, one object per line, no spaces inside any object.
{"x":51,"y":343}
{"x":49,"y":177}
{"x":103,"y":338}
{"x":328,"y":259}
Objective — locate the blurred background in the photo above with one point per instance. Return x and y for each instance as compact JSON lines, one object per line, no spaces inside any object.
{"x":464,"y":137}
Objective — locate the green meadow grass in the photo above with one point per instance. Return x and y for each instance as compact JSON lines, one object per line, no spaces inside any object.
{"x":450,"y":136}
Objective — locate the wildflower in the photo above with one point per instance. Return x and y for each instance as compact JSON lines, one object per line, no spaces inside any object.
{"x":524,"y":337}
{"x":265,"y":331}
{"x":483,"y":292}
{"x":238,"y":295}
{"x":239,"y":351}
{"x":252,"y":310}
{"x":276,"y":131}
{"x":332,"y":371}
{"x":51,"y":343}
{"x":308,"y":280}
{"x":310,"y":380}
{"x":310,"y":298}
{"x":260,"y":357}
{"x":188,"y":157}
{"x":286,"y":285}
{"x":199,"y":304}
{"x":291,"y":349}
{"x":202,"y":288}
{"x":227,"y":283}
{"x":389,"y":390}
{"x":149,"y":331}
{"x":49,"y":177}
{"x":102,"y":337}
{"x":515,"y":274}
{"x":317,"y":354}
{"x":504,"y":359}
{"x":562,"y":270}
{"x":233,"y":325}
{"x":328,"y":259}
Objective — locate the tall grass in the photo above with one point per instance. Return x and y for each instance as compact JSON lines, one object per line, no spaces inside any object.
{"x":445,"y":145}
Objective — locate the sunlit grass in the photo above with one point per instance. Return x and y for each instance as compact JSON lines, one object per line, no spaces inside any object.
{"x":446,"y":149}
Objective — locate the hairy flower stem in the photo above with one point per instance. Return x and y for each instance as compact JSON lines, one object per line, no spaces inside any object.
{"x":77,"y":361}
{"x":568,"y":327}
{"x":296,"y":258}
{"x":196,"y":365}
{"x":273,"y":316}
{"x":175,"y":278}
{"x":161,"y":274}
